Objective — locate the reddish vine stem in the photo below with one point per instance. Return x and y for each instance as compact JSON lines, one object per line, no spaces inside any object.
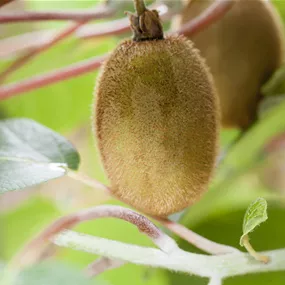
{"x":195,"y":239}
{"x":58,"y":75}
{"x":13,"y":45}
{"x":31,"y":253}
{"x":113,"y":28}
{"x":215,"y":12}
{"x":24,"y":42}
{"x":82,"y":15}
{"x":28,"y":56}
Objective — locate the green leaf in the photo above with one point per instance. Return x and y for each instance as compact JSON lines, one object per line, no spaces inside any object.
{"x":255,"y":214}
{"x":31,"y":154}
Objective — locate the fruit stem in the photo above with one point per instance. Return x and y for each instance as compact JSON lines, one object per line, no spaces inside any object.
{"x":139,"y":6}
{"x":146,"y":25}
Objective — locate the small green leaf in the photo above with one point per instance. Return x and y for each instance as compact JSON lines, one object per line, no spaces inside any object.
{"x":31,"y":154}
{"x":255,"y":214}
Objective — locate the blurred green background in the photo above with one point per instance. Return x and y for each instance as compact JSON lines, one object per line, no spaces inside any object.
{"x":66,"y":108}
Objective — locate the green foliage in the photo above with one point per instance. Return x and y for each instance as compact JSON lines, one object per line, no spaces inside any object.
{"x":65,"y":106}
{"x":255,"y":214}
{"x":31,"y":154}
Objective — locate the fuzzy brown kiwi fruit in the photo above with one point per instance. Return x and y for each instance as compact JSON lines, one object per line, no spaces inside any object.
{"x":156,"y":119}
{"x":242,"y":49}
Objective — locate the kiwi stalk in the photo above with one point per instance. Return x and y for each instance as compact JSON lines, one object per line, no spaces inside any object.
{"x":156,"y":119}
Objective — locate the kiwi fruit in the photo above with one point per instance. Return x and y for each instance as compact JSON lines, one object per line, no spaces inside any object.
{"x":242,"y":49}
{"x":156,"y":119}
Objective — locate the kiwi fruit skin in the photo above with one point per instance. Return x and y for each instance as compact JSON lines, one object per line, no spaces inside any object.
{"x":156,"y":123}
{"x":242,"y":49}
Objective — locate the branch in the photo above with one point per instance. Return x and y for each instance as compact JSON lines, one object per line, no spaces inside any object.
{"x":180,"y":230}
{"x":112,"y":28}
{"x":53,"y":41}
{"x":33,"y":250}
{"x":215,"y":12}
{"x":100,"y":12}
{"x":62,"y":74}
{"x":216,"y":267}
{"x":20,"y":43}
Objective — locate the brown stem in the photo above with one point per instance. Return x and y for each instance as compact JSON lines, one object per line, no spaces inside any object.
{"x":101,"y":265}
{"x":28,"y":16}
{"x":116,"y":27}
{"x":33,"y":250}
{"x":49,"y":78}
{"x":28,"y":56}
{"x":212,"y":14}
{"x":140,"y":7}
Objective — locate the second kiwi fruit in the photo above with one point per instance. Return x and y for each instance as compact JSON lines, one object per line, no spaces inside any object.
{"x":242,"y":49}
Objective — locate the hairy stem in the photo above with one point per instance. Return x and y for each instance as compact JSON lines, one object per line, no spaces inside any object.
{"x":212,"y":14}
{"x":33,"y":250}
{"x":216,"y":267}
{"x":252,"y":252}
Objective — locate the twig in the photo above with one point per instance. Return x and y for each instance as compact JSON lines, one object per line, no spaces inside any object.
{"x":197,"y":240}
{"x":53,"y":41}
{"x":186,"y":234}
{"x":112,"y":28}
{"x":93,"y":183}
{"x":100,"y":12}
{"x":33,"y":250}
{"x":42,"y":80}
{"x":202,"y":265}
{"x":101,"y":265}
{"x":252,"y":252}
{"x":11,"y":46}
{"x":215,"y":12}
